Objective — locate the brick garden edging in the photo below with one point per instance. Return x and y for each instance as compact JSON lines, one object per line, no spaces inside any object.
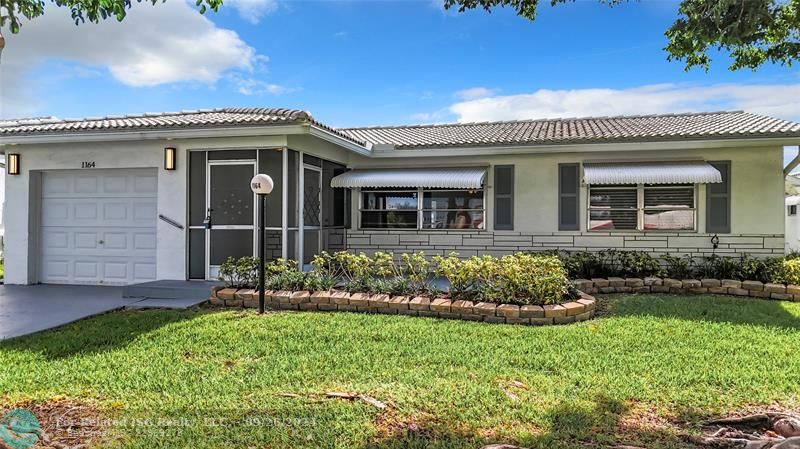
{"x":732,"y":287}
{"x":570,"y":312}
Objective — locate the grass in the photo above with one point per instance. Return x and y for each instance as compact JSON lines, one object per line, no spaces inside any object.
{"x":450,"y":384}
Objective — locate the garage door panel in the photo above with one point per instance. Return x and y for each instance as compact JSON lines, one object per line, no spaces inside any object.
{"x":99,"y":227}
{"x":85,"y":184}
{"x":54,"y":240}
{"x":86,"y":240}
{"x":145,"y":185}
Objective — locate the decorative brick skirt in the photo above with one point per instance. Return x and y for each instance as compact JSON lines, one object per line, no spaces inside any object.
{"x":732,"y":287}
{"x":330,"y":301}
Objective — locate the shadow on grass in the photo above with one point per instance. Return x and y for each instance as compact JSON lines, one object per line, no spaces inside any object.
{"x":707,"y":308}
{"x":107,"y":332}
{"x":601,"y":423}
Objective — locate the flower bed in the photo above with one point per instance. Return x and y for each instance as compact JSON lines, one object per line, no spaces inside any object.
{"x":336,"y":300}
{"x":518,"y":278}
{"x":516,"y":289}
{"x":653,"y":284}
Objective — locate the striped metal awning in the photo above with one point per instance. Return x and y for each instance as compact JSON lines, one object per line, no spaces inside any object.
{"x":438,"y":178}
{"x":681,"y":172}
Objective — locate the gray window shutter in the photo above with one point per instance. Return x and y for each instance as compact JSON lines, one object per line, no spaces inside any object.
{"x":504,"y":197}
{"x":718,"y":200}
{"x":568,"y":194}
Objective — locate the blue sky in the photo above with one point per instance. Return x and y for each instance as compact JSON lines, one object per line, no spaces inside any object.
{"x":354,"y":63}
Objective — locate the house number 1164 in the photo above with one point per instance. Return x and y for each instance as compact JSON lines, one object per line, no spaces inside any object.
{"x":87,"y":164}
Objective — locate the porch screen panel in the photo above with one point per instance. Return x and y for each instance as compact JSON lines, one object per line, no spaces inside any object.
{"x":197,"y":188}
{"x":504,"y":197}
{"x":333,"y":200}
{"x":197,"y":213}
{"x":197,"y":254}
{"x":718,"y":200}
{"x":293,"y":197}
{"x":230,"y":243}
{"x":270,"y":162}
{"x":568,"y":194}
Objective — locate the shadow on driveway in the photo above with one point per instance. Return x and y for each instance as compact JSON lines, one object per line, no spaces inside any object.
{"x":25,"y":309}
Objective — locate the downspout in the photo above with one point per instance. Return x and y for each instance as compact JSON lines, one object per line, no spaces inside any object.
{"x":793,"y":164}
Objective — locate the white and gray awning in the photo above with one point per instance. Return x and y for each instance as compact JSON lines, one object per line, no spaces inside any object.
{"x":438,"y":178}
{"x":680,"y":172}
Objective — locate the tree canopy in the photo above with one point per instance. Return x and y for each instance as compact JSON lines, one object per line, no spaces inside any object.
{"x":752,"y":32}
{"x":12,"y":11}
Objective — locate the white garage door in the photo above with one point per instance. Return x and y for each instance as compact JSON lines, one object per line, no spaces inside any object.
{"x":98,"y":227}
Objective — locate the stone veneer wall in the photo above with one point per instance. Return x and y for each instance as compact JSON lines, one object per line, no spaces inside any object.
{"x":471,"y":243}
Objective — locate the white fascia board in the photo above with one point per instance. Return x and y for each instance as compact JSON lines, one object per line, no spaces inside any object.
{"x":336,"y":139}
{"x":585,"y":147}
{"x":246,"y":131}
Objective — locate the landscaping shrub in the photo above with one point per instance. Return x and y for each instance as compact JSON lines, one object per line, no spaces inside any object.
{"x":283,"y":274}
{"x":638,"y":264}
{"x":516,"y":279}
{"x":580,"y":265}
{"x":239,"y":273}
{"x":464,"y":275}
{"x":719,"y":267}
{"x":678,"y":267}
{"x":790,"y":271}
{"x":381,"y":273}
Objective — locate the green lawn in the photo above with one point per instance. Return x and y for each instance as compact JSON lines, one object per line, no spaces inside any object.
{"x":663,"y":358}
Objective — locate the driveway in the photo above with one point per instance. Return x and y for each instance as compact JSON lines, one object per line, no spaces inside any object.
{"x":25,"y":309}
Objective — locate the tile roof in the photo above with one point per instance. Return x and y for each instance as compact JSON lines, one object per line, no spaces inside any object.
{"x":202,"y":118}
{"x":709,"y":125}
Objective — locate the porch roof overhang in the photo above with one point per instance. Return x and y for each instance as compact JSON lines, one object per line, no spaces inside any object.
{"x":440,"y":178}
{"x":672,"y":172}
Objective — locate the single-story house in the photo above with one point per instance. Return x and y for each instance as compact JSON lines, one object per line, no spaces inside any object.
{"x":128,"y":199}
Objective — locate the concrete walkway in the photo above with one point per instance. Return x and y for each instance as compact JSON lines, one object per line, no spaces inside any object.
{"x":25,"y":309}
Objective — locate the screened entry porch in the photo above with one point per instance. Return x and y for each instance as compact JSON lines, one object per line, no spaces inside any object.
{"x":304,"y":215}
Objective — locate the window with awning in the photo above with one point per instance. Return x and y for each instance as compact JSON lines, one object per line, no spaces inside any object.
{"x":645,"y":196}
{"x":424,"y":198}
{"x":682,"y":172}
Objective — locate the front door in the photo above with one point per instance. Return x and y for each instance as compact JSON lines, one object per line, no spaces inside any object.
{"x":232,"y":211}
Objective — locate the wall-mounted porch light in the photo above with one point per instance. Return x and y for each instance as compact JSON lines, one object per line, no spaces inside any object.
{"x":12,"y":164}
{"x":170,"y":159}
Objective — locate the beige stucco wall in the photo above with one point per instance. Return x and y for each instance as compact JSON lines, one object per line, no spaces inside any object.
{"x":756,"y":206}
{"x":22,"y":194}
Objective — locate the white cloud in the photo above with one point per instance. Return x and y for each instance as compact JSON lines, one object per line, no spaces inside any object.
{"x":162,"y":44}
{"x":777,"y":100}
{"x":253,"y":10}
{"x":252,"y":86}
{"x":475,"y":93}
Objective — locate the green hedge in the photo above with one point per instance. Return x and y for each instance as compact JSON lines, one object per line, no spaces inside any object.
{"x":611,"y":262}
{"x":517,"y":279}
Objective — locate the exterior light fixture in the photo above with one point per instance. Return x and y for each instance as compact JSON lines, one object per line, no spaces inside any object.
{"x":12,"y":164}
{"x":170,"y":159}
{"x":261,"y":185}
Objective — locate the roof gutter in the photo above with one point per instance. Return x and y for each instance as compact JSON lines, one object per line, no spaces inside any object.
{"x":326,"y":135}
{"x":582,"y":147}
{"x":793,"y":164}
{"x":242,"y":131}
